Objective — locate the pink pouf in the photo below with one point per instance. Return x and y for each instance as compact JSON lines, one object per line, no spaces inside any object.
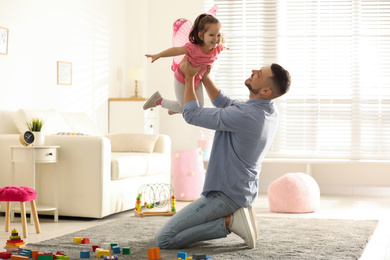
{"x":187,"y":173}
{"x":294,"y":193}
{"x":17,"y":193}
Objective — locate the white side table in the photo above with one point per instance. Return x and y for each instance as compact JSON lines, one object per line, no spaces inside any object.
{"x":34,"y":155}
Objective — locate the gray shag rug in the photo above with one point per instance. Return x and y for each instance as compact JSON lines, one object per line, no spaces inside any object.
{"x":279,"y":238}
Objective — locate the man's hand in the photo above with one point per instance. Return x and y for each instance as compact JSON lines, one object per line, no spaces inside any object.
{"x":189,"y":70}
{"x":207,"y":73}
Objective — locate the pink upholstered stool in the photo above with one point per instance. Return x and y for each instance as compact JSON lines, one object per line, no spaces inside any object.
{"x":294,"y":193}
{"x":21,"y":194}
{"x":187,"y":173}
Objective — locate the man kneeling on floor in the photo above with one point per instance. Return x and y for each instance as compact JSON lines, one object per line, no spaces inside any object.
{"x":243,"y":133}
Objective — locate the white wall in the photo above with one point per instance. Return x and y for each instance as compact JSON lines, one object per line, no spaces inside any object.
{"x":103,"y":39}
{"x":161,"y":15}
{"x":88,"y":33}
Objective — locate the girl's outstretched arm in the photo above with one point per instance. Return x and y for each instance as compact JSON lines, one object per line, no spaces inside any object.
{"x":171,"y":52}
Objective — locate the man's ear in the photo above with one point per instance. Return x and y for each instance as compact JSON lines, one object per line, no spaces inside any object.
{"x":266,"y":91}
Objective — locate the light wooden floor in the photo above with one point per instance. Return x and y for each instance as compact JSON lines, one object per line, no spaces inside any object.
{"x":337,"y":207}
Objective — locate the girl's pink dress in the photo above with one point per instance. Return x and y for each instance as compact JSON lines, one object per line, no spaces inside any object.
{"x":196,"y":55}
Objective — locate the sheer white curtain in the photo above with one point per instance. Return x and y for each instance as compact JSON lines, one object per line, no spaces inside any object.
{"x":338,"y":53}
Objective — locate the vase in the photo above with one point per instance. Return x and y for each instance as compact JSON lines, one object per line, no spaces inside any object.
{"x":39,"y":139}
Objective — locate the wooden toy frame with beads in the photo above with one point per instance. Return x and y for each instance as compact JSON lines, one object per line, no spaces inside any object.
{"x":159,"y":195}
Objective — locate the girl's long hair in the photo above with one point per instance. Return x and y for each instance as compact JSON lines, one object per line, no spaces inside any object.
{"x":200,"y":26}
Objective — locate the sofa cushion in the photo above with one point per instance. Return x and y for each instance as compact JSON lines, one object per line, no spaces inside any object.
{"x":53,"y":120}
{"x":130,"y":142}
{"x":127,"y":165}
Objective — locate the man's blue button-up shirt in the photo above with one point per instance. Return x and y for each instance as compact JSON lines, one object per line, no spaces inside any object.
{"x":244,"y":132}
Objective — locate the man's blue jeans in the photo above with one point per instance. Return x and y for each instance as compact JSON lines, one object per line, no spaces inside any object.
{"x":203,"y":219}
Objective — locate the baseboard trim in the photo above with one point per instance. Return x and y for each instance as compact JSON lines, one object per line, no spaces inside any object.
{"x":344,"y":190}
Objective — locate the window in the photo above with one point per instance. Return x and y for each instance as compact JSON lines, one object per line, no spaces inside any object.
{"x":338,"y":53}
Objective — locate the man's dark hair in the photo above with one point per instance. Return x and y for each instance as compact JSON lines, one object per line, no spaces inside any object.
{"x":280,"y":81}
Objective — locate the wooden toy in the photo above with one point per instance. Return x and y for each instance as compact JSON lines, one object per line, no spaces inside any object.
{"x":45,"y":257}
{"x":14,"y":243}
{"x":126,"y":251}
{"x":34,"y":254}
{"x":19,"y":257}
{"x":61,"y":256}
{"x":85,"y":241}
{"x":116,"y":249}
{"x":182,"y":255}
{"x":77,"y":240}
{"x":84,"y":254}
{"x":199,"y":257}
{"x":113,"y":257}
{"x":155,"y":196}
{"x":102,"y":252}
{"x":25,"y":252}
{"x":154,"y":253}
{"x":5,"y":255}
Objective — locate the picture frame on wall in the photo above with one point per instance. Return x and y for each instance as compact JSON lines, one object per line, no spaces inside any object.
{"x":64,"y":73}
{"x":4,"y":35}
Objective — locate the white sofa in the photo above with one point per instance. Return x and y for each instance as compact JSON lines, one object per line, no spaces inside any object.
{"x":96,"y":178}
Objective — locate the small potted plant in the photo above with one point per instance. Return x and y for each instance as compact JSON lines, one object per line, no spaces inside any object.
{"x":35,"y":125}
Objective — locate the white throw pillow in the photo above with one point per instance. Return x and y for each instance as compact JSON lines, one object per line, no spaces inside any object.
{"x":130,"y":142}
{"x":53,"y":120}
{"x":81,"y":123}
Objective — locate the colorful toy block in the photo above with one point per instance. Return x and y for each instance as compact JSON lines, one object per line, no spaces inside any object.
{"x":116,"y":249}
{"x":199,"y":257}
{"x":59,"y":253}
{"x":5,"y":255}
{"x":95,"y":247}
{"x":77,"y":240}
{"x":154,"y":253}
{"x":62,"y":257}
{"x":102,"y":252}
{"x":84,"y":254}
{"x":45,"y":257}
{"x":113,"y":257}
{"x":126,"y":250}
{"x":34,"y":254}
{"x":85,"y":241}
{"x":25,"y":252}
{"x":182,"y":255}
{"x":19,"y":257}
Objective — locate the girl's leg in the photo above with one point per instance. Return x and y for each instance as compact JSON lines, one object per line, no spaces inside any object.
{"x":203,"y":219}
{"x":175,"y":105}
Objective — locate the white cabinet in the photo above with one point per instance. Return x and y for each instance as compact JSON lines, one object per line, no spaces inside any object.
{"x":126,"y":115}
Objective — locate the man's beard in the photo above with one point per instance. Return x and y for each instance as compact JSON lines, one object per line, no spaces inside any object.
{"x":254,"y":91}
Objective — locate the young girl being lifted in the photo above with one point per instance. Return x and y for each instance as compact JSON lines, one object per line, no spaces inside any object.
{"x":202,"y":47}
